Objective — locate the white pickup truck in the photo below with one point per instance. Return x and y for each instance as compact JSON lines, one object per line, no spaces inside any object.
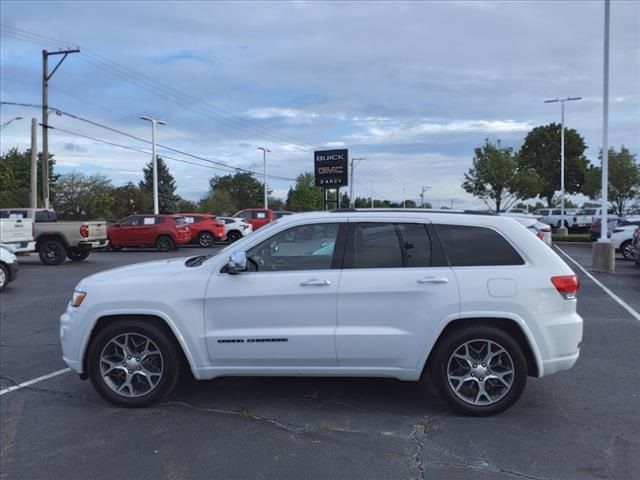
{"x":586,"y":216}
{"x":56,"y":240}
{"x":16,"y":234}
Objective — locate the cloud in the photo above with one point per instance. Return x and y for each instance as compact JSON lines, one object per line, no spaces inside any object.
{"x":275,"y":112}
{"x":74,"y":147}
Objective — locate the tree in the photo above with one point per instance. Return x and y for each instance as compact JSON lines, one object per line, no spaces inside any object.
{"x":186,"y":206}
{"x":496,"y":176}
{"x":218,"y":202}
{"x":15,"y":178}
{"x":410,"y":204}
{"x":235,"y":192}
{"x":276,"y":203}
{"x":541,"y":152}
{"x":167,"y":197}
{"x":624,"y":181}
{"x":80,"y":196}
{"x":130,"y":199}
{"x":305,"y":196}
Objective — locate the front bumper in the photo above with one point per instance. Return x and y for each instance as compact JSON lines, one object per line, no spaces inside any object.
{"x":72,"y":336}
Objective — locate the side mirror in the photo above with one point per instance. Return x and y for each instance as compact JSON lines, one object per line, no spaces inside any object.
{"x":237,"y":263}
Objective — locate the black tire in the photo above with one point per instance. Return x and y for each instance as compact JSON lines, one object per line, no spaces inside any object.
{"x":627,"y":250}
{"x":164,"y":243}
{"x":233,"y":236}
{"x":452,"y":342}
{"x":78,"y":255}
{"x":205,"y":239}
{"x":4,"y":277}
{"x":52,"y":252}
{"x":167,"y":347}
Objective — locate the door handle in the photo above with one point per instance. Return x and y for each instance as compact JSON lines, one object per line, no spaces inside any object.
{"x":433,"y":280}
{"x":313,"y":282}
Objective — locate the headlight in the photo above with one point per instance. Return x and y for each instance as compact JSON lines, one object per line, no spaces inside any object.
{"x":78,"y":298}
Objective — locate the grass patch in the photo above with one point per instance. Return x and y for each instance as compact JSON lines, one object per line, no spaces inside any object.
{"x":572,"y":237}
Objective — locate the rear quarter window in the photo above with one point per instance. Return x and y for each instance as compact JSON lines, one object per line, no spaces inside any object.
{"x":467,"y":246}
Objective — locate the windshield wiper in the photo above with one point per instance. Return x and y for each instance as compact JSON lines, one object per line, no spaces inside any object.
{"x":197,"y":261}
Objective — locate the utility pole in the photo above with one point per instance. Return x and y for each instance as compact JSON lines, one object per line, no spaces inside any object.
{"x":562,"y":230}
{"x":352,"y":201}
{"x":33,"y":198}
{"x":422,"y":195}
{"x":264,"y":164}
{"x":154,"y":161}
{"x":46,"y":76}
{"x":404,"y":201}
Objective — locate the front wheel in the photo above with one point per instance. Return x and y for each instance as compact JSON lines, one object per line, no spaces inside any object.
{"x":78,"y":255}
{"x":133,"y":363}
{"x":164,"y":243}
{"x":52,"y":252}
{"x":4,"y":277}
{"x":627,"y":250}
{"x":479,"y":370}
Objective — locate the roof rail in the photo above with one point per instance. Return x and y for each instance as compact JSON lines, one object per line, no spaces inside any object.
{"x":414,"y":210}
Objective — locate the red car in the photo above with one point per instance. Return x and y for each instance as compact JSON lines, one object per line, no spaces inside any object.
{"x":205,"y":230}
{"x":257,"y":217}
{"x":165,"y":232}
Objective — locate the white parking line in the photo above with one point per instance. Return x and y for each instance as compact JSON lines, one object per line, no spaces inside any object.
{"x":35,"y":380}
{"x":620,"y":302}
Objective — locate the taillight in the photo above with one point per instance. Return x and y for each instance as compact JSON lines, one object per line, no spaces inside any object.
{"x":567,"y":285}
{"x":84,"y":231}
{"x":541,"y":235}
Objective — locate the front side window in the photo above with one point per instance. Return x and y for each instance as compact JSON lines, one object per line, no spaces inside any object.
{"x":468,"y":246}
{"x":130,"y":221}
{"x":243,"y":215}
{"x":306,"y":247}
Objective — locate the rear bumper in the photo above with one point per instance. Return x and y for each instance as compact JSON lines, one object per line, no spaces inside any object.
{"x":21,"y":247}
{"x":91,"y":244}
{"x":562,"y":340}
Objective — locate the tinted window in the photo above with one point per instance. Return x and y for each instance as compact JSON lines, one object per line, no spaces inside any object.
{"x":375,"y":245}
{"x":416,"y":245}
{"x":308,"y":247}
{"x":243,"y":215}
{"x":158,"y":220}
{"x":476,"y":246}
{"x":13,"y":214}
{"x":42,"y":216}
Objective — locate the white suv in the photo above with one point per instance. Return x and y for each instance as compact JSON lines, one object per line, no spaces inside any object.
{"x":471,"y":303}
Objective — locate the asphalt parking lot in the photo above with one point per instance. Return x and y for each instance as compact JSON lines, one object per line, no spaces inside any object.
{"x":580,"y":424}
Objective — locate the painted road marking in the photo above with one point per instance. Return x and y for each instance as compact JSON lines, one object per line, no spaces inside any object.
{"x":35,"y":380}
{"x":620,"y":302}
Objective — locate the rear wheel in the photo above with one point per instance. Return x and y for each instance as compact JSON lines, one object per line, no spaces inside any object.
{"x":164,"y":243}
{"x":52,"y":252}
{"x":133,"y":363}
{"x":627,"y":250}
{"x":78,"y":255}
{"x":479,"y":370}
{"x":234,"y":236}
{"x":205,"y":239}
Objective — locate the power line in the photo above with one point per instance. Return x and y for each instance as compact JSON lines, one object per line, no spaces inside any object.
{"x":134,"y":137}
{"x":167,"y":92}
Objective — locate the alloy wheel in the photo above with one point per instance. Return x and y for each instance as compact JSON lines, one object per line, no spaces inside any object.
{"x":131,"y":365}
{"x":480,"y":372}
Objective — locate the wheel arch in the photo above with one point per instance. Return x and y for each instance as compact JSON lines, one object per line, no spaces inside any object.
{"x":155,"y":318}
{"x":43,"y":237}
{"x":509,"y":325}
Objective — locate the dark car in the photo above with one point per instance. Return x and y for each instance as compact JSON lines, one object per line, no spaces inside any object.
{"x":636,"y":246}
{"x":165,"y":232}
{"x":594,"y":231}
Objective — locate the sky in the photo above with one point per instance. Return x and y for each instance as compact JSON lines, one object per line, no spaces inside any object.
{"x":413,"y":87}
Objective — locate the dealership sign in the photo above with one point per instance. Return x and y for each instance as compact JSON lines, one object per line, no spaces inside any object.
{"x":331,"y":168}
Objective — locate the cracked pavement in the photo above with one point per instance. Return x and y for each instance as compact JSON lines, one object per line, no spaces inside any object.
{"x":580,"y":424}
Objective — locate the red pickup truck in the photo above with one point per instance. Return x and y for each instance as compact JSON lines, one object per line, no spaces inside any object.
{"x":257,"y":217}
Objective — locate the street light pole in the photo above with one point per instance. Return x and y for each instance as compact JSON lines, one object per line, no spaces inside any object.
{"x":564,"y":230}
{"x":264,"y":165}
{"x":5,"y":125}
{"x":154,"y":161}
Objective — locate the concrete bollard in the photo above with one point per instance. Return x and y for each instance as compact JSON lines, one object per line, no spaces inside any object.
{"x":604,"y":257}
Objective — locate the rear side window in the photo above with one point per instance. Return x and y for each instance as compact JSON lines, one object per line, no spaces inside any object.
{"x":467,"y":246}
{"x":388,"y":245}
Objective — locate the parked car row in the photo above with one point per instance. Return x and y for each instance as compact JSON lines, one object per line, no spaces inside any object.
{"x":620,"y":232}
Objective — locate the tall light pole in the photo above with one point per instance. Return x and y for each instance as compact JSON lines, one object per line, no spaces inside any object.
{"x":604,"y":259}
{"x":264,"y":165}
{"x":5,"y":125}
{"x":564,"y":230}
{"x":154,"y":160}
